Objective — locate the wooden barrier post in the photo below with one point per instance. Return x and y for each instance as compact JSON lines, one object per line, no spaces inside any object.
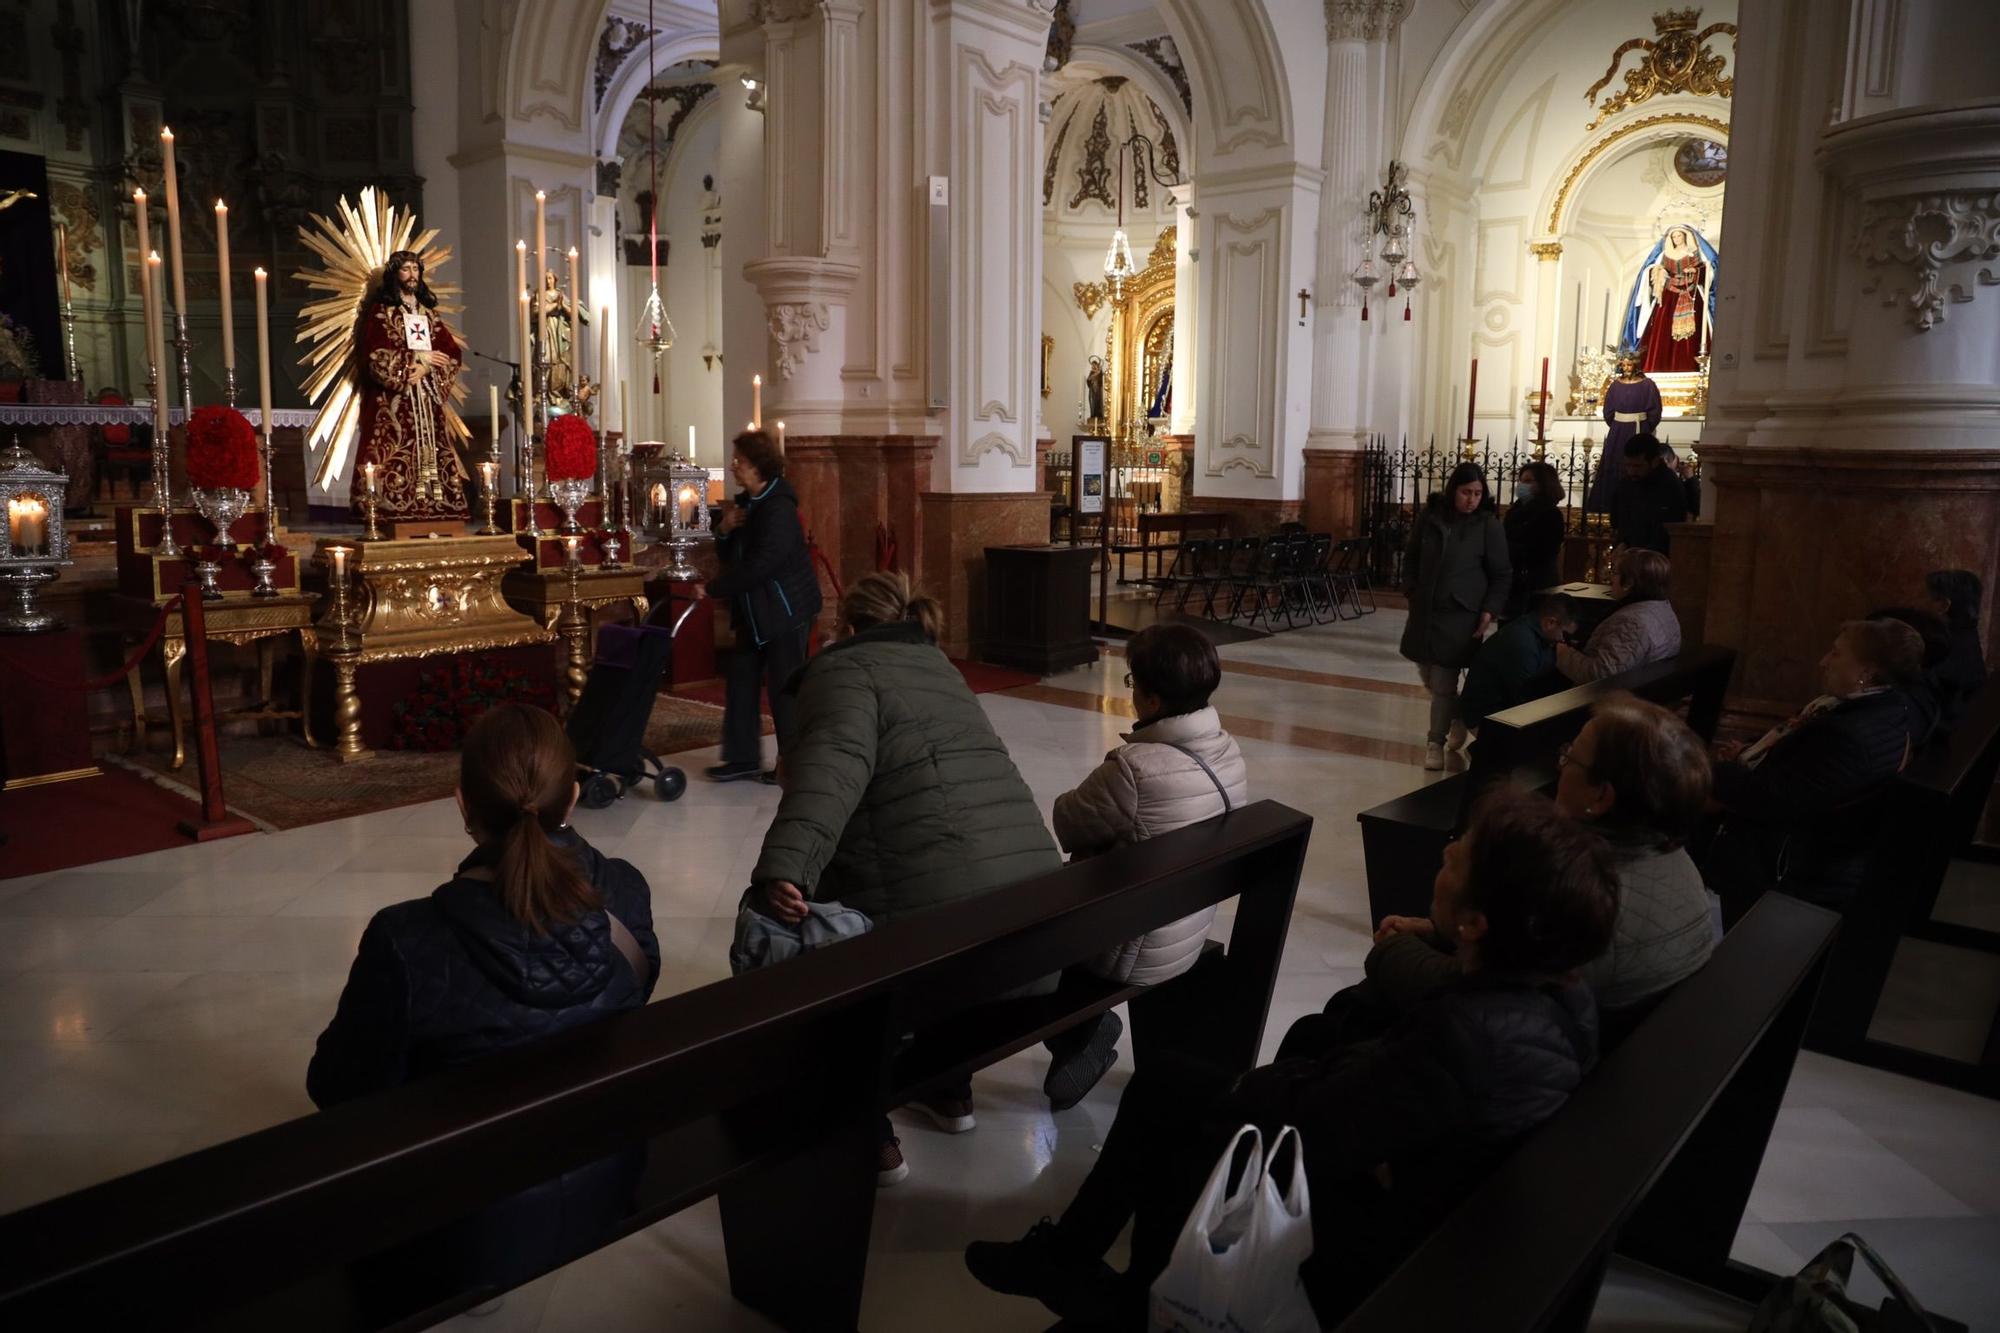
{"x":215,"y":821}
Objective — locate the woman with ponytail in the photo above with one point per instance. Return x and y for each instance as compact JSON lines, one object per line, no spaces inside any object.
{"x":898,"y":793}
{"x":535,"y":933}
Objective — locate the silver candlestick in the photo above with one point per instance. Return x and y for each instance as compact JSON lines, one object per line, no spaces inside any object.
{"x":167,"y":548}
{"x":70,"y":363}
{"x":181,"y":346}
{"x":229,"y":385}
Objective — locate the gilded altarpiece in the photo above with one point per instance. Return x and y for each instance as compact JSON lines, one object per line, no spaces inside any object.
{"x":1149,"y":470}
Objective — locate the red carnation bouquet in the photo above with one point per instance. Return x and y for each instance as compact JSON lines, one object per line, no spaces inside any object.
{"x":572,"y":449}
{"x":221,"y":449}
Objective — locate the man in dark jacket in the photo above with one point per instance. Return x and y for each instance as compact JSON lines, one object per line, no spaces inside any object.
{"x":1649,"y":496}
{"x":767,"y":578}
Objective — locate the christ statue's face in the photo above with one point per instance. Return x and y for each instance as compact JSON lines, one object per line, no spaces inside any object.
{"x":408,"y":275}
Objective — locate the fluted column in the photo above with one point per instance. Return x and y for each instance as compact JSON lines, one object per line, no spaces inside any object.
{"x":1343,"y":344}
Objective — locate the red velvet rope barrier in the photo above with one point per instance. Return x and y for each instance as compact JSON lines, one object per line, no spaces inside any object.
{"x":167,"y":608}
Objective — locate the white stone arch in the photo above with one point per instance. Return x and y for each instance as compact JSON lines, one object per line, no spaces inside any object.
{"x":1242,"y":100}
{"x":1651,"y":123}
{"x":668,"y":49}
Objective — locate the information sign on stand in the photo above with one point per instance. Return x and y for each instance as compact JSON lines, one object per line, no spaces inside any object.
{"x":1087,"y":458}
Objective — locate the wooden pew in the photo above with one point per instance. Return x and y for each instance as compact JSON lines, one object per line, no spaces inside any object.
{"x":1929,"y":816}
{"x":1403,"y":839}
{"x":762,"y":1089}
{"x":1653,"y":1157}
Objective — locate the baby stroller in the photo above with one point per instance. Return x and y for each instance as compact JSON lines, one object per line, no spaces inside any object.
{"x":608,"y":724}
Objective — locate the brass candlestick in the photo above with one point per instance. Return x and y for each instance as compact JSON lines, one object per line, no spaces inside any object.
{"x":489,"y":482}
{"x":374,"y":533}
{"x":345,"y":654}
{"x":71,"y":366}
{"x":574,"y":627}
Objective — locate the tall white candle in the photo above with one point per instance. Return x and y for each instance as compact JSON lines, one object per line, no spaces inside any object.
{"x":690,"y":444}
{"x":493,"y":415}
{"x":521,"y":281}
{"x":261,"y":280}
{"x":541,"y":249}
{"x":174,"y":222}
{"x":575,"y":328}
{"x":604,"y":356}
{"x":222,"y":269}
{"x":156,"y":340}
{"x":781,"y":437}
{"x":1604,"y":327}
{"x":62,"y":265}
{"x":527,"y":380}
{"x":756,"y":402}
{"x":145,"y":230}
{"x":624,"y":416}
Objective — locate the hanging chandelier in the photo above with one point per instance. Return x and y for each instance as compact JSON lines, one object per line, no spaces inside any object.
{"x":1118,"y":266}
{"x":1391,"y":215}
{"x":655,"y":332}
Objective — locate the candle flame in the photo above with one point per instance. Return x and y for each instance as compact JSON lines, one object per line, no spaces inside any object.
{"x":539,"y":196}
{"x":221,"y":207}
{"x":139,"y":193}
{"x":166,"y":134}
{"x":520,"y":245}
{"x":259,"y":274}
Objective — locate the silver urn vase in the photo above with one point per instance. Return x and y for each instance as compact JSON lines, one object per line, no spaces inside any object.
{"x":221,"y":506}
{"x":570,"y":493}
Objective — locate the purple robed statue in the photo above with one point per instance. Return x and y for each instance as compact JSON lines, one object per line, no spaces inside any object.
{"x":1631,"y":405}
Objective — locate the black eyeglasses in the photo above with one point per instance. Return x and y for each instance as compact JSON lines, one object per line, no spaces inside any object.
{"x":1128,"y":680}
{"x":1564,"y":758}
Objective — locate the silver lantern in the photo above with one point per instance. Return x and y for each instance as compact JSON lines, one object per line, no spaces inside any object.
{"x":33,"y":546}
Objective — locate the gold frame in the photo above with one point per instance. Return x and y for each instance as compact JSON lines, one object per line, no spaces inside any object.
{"x":1149,"y":297}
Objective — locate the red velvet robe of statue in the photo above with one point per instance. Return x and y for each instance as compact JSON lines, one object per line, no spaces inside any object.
{"x":417,"y":470}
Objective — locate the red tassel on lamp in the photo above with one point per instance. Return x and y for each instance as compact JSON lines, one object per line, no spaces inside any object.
{"x":1406,"y":309}
{"x":1364,"y":309}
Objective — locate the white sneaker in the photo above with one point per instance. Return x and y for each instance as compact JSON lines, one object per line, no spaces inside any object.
{"x":1433,"y":757}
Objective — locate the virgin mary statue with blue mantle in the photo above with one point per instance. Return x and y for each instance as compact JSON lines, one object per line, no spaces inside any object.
{"x":1672,"y":309}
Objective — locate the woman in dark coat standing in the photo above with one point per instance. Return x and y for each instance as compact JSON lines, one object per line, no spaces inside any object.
{"x":1956,"y":594}
{"x":534,"y":934}
{"x":1534,"y":526}
{"x":1456,"y":577}
{"x":767,"y":578}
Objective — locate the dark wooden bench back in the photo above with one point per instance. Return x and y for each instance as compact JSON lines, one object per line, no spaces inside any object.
{"x":1928,"y":817}
{"x":763,"y":1088}
{"x":1654,"y":1156}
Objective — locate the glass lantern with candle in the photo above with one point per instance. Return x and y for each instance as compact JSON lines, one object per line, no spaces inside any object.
{"x":687,"y":515}
{"x":34,"y":545}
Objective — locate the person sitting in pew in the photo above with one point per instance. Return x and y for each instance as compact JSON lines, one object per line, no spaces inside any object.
{"x":899,"y":795}
{"x":1518,"y":663}
{"x":1177,"y":767}
{"x":1956,"y":594}
{"x":1793,"y":804}
{"x":1643,"y":629}
{"x":1929,"y":694}
{"x":1638,"y":775}
{"x":535,"y":933}
{"x":1396,"y":1127}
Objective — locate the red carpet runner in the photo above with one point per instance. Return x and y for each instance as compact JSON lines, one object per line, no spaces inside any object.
{"x":66,"y":824}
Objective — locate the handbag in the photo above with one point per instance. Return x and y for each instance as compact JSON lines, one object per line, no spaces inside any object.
{"x":762,"y":939}
{"x":1235,"y":1268}
{"x":1815,"y":1299}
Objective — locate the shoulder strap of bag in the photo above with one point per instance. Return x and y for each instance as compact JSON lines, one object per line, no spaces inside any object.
{"x":628,"y":946}
{"x":1227,"y":804}
{"x":1888,"y":1277}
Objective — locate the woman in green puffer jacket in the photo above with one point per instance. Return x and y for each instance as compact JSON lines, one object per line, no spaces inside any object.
{"x":899,"y":795}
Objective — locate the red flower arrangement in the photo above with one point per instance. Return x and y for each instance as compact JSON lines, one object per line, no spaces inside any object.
{"x":221,"y":449}
{"x":453,"y":695}
{"x":572,"y":449}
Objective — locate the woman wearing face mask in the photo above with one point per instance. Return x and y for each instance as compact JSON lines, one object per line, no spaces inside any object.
{"x":1534,"y":527}
{"x":1456,"y":576}
{"x":1796,"y":813}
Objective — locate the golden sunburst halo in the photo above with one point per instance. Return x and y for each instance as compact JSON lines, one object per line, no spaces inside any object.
{"x":353,"y":252}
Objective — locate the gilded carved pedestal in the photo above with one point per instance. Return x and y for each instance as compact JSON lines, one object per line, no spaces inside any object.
{"x":427,"y":596}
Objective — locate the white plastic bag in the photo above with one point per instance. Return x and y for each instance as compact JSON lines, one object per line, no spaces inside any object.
{"x":1235,"y":1268}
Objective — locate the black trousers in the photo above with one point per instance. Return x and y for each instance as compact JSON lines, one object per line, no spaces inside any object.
{"x":768,"y":667}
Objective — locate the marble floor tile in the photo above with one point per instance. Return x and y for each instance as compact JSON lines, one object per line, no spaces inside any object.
{"x":1820,"y":1164}
{"x":86,"y":892}
{"x":79,"y":1006}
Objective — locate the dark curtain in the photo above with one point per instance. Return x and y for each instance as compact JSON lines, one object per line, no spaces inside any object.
{"x":28,"y":259}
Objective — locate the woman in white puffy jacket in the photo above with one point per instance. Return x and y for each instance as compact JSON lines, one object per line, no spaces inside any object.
{"x":1177,"y":767}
